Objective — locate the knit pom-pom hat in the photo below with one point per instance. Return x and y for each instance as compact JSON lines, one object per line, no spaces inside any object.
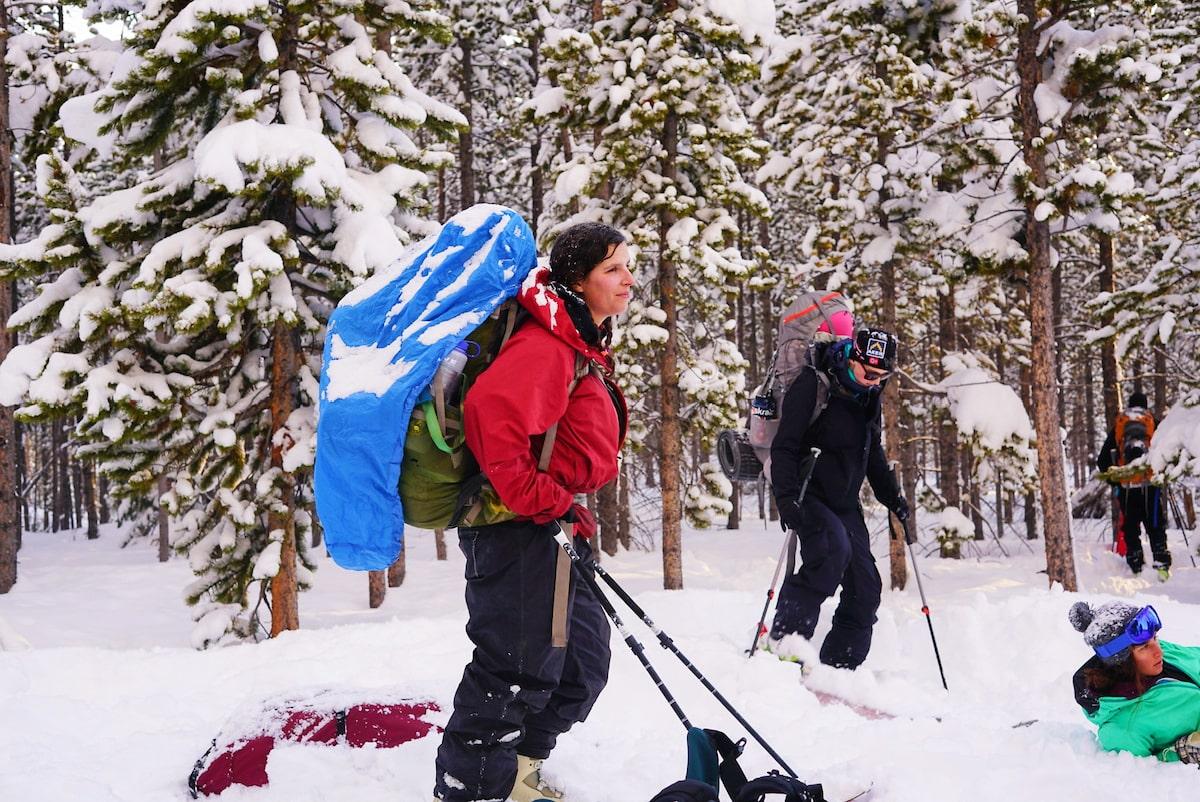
{"x":1102,"y":624}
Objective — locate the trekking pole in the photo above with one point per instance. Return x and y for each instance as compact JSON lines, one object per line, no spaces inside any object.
{"x":761,"y":629}
{"x":663,"y":638}
{"x":634,"y":645}
{"x":912,"y":555}
{"x":1174,"y":503}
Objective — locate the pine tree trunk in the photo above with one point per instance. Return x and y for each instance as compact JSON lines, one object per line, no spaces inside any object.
{"x":377,"y":586}
{"x":88,"y":486}
{"x":398,"y":570}
{"x":537,"y":177}
{"x":77,"y":490}
{"x":607,"y":517}
{"x":285,"y":607}
{"x":1060,"y":558}
{"x":1162,"y":401}
{"x":10,"y":522}
{"x":948,"y":472}
{"x":623,"y":523}
{"x":164,"y":521}
{"x":439,"y":543}
{"x":670,"y":461}
{"x":105,"y":512}
{"x":891,"y":420}
{"x":466,"y":142}
{"x":1110,"y":370}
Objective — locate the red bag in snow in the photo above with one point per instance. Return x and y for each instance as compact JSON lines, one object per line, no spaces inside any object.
{"x":241,"y":758}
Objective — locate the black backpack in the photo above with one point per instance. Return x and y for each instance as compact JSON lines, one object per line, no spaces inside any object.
{"x":712,"y":760}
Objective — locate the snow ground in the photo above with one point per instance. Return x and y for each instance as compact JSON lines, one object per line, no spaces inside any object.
{"x":109,"y":704}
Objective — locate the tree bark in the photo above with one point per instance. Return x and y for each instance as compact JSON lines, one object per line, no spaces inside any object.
{"x":669,"y":431}
{"x":1060,"y":558}
{"x":377,"y":586}
{"x":10,"y":522}
{"x":948,"y":467}
{"x":607,"y":517}
{"x":891,"y":421}
{"x":1110,"y":370}
{"x":439,"y":543}
{"x":466,"y":142}
{"x":285,"y":608}
{"x":623,"y":523}
{"x":398,"y":570}
{"x":88,"y":486}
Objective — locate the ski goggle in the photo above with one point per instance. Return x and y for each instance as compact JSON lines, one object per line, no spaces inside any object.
{"x":1140,"y":629}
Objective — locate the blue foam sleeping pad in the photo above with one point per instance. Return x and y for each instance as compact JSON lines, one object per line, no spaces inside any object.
{"x":384,"y":342}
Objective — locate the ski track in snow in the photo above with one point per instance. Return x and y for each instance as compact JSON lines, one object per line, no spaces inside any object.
{"x":109,"y":704}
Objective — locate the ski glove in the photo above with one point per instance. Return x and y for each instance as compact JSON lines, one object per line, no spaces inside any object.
{"x":790,"y":514}
{"x":1188,"y":748}
{"x":899,"y":508}
{"x":581,"y":516}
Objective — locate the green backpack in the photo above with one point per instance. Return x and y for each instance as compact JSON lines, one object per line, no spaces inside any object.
{"x":441,"y":486}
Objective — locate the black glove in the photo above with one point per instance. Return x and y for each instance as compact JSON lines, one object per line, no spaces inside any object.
{"x":790,"y":514}
{"x":899,"y":508}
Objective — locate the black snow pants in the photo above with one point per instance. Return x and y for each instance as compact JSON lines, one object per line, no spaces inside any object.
{"x":835,"y":549}
{"x":1142,"y":507}
{"x":518,"y":693}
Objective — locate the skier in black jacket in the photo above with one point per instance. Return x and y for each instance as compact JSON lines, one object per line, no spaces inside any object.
{"x":834,"y":543}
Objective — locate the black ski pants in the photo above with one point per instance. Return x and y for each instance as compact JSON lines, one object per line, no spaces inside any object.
{"x":1142,"y":506}
{"x":518,"y":693}
{"x":835,"y":549}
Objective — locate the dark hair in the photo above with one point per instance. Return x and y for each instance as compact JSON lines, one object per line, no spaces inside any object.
{"x":580,"y":248}
{"x":1116,"y":679}
{"x":1138,"y":399}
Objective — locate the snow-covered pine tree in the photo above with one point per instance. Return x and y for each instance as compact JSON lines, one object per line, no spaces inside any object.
{"x":289,"y":172}
{"x":653,"y":81}
{"x":856,"y":99}
{"x":1063,"y":69}
{"x":1158,"y":305}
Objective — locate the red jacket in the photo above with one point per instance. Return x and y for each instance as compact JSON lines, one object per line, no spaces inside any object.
{"x":514,"y":402}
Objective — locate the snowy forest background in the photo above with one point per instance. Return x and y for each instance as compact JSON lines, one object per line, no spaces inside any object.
{"x":1013,"y":187}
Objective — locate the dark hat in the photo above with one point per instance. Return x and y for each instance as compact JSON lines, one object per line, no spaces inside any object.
{"x":1102,"y":624}
{"x":875,"y":348}
{"x":1138,"y":399}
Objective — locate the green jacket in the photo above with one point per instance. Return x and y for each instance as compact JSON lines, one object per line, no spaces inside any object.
{"x":1148,"y":724}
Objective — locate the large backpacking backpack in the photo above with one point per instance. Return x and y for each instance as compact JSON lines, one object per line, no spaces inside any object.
{"x":744,"y":455}
{"x":1134,"y":430}
{"x":383,"y":345}
{"x":441,"y":486}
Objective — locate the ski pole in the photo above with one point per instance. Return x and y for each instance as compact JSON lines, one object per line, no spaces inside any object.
{"x":761,"y":629}
{"x":663,"y":638}
{"x":912,"y":555}
{"x":1174,"y":502}
{"x":634,"y":645}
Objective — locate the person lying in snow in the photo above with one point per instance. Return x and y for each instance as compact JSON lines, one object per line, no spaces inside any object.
{"x":1142,"y":693}
{"x":541,"y":658}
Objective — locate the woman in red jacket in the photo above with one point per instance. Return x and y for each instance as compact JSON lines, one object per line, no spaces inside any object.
{"x":541,"y":657}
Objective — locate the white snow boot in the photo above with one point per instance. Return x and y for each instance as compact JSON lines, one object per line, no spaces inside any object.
{"x":530,"y":787}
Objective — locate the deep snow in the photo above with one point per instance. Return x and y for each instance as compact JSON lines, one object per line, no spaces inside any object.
{"x":109,"y":703}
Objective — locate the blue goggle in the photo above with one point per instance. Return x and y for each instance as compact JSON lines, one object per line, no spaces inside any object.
{"x":1141,"y":628}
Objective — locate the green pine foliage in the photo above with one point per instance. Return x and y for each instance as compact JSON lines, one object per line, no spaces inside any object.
{"x":612,"y":88}
{"x":287,"y":170}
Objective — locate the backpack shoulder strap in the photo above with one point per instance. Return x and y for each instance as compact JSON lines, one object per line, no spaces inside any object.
{"x":822,"y":399}
{"x":582,"y":367}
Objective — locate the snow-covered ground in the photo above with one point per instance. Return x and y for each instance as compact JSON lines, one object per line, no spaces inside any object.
{"x":108,"y":702}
